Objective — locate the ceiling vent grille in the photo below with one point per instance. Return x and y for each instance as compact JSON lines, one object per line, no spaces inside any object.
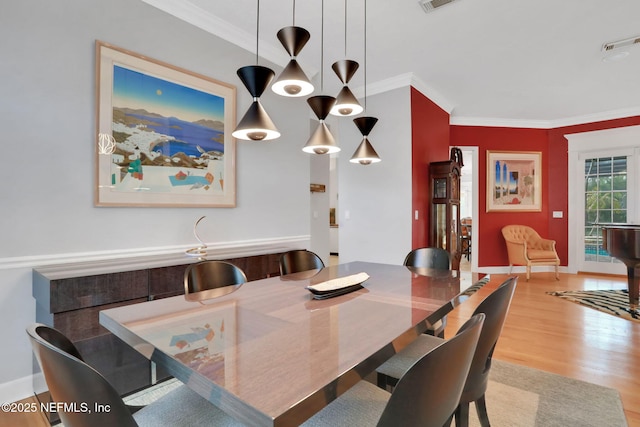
{"x":430,"y":6}
{"x":621,"y":43}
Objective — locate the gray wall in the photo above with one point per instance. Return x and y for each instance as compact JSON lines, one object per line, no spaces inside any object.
{"x":377,"y":197}
{"x":47,"y":117}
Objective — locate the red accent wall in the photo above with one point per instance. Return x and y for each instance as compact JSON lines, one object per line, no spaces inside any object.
{"x":489,"y":224}
{"x":430,"y":143}
{"x":553,"y":145}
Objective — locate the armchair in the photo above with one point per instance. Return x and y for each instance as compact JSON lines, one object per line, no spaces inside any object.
{"x":526,"y":247}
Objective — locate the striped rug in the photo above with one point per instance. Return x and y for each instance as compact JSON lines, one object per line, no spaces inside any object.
{"x":614,"y":302}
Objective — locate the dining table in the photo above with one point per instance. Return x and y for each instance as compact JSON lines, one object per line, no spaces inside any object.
{"x":272,"y":353}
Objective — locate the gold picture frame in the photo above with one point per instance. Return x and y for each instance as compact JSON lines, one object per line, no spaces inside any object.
{"x":163,"y":134}
{"x":514,"y":181}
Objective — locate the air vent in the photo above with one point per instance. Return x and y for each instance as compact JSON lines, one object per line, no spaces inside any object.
{"x":430,"y":6}
{"x":621,"y":43}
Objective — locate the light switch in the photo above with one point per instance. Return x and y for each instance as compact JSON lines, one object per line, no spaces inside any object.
{"x":415,"y":215}
{"x":557,"y":214}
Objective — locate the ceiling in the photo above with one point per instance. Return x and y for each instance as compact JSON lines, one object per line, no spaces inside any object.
{"x":488,"y":62}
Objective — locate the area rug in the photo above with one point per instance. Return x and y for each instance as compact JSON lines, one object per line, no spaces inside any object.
{"x":614,"y":302}
{"x":519,"y":396}
{"x":473,"y":288}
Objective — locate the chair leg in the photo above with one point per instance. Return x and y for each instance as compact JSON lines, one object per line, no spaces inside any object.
{"x":382,"y":381}
{"x":462,"y":415}
{"x":510,"y":268}
{"x":528,"y":272}
{"x":481,"y":408}
{"x":557,"y":275}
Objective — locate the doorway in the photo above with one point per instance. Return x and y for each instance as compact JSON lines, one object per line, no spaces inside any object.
{"x":469,"y":204}
{"x":601,"y":191}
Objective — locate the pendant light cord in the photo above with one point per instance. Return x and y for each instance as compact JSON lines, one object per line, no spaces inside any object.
{"x":365,"y":55}
{"x":257,"y":30}
{"x":322,"y":48}
{"x":345,"y":28}
{"x":294,"y":13}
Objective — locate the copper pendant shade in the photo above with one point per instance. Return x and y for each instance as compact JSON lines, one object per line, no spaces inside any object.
{"x":293,"y":81}
{"x":346,"y":102}
{"x":256,"y":125}
{"x":365,"y":154}
{"x":321,"y":141}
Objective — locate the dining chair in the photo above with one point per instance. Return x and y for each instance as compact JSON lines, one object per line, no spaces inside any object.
{"x":495,"y":307}
{"x":299,"y":260}
{"x":211,"y":279}
{"x":426,"y":395}
{"x":86,"y":398}
{"x":435,"y":258}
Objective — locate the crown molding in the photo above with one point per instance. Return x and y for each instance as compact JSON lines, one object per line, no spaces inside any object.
{"x":497,"y":122}
{"x":404,"y":80}
{"x":597,"y":117}
{"x":210,"y":23}
{"x":545,"y":124}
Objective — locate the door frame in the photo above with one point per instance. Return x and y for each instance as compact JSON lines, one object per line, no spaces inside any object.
{"x":591,"y":143}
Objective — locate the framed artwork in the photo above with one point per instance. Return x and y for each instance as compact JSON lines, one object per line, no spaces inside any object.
{"x":163,"y":134}
{"x":514,"y":181}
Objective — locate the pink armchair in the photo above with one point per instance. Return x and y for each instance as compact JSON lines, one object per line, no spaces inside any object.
{"x":526,"y":247}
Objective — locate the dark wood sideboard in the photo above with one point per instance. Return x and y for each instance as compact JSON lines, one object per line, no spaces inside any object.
{"x":70,"y":296}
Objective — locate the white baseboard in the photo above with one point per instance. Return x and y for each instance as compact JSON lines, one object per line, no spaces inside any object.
{"x":521,"y":269}
{"x":18,"y":389}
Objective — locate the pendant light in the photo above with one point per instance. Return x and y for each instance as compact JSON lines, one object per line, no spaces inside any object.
{"x":293,"y":81}
{"x":256,"y":125}
{"x":365,"y":154}
{"x":346,"y":102}
{"x":321,"y":141}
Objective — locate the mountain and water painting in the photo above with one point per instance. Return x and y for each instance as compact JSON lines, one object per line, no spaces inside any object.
{"x":169,"y":137}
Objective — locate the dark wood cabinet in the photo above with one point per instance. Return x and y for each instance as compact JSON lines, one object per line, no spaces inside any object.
{"x":444,"y":226}
{"x":70,"y":298}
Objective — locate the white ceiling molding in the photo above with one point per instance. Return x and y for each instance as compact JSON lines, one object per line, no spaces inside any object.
{"x":501,"y":123}
{"x":597,"y":117}
{"x":404,"y":80}
{"x":204,"y":20}
{"x":545,"y":124}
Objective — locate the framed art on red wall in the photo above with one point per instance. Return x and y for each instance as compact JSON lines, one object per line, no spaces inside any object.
{"x":514,"y":181}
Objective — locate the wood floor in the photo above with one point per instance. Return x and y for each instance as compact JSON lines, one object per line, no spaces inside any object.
{"x":547,"y":333}
{"x":554,"y":335}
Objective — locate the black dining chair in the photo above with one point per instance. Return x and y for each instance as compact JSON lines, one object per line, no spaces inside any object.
{"x":299,"y":260}
{"x":437,"y":259}
{"x":82,"y":391}
{"x":426,"y":395}
{"x":495,"y":307}
{"x":211,"y":279}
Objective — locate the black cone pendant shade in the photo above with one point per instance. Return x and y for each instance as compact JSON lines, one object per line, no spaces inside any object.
{"x":321,"y":142}
{"x":293,"y":81}
{"x":365,"y":154}
{"x":346,"y":102}
{"x":256,"y":125}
